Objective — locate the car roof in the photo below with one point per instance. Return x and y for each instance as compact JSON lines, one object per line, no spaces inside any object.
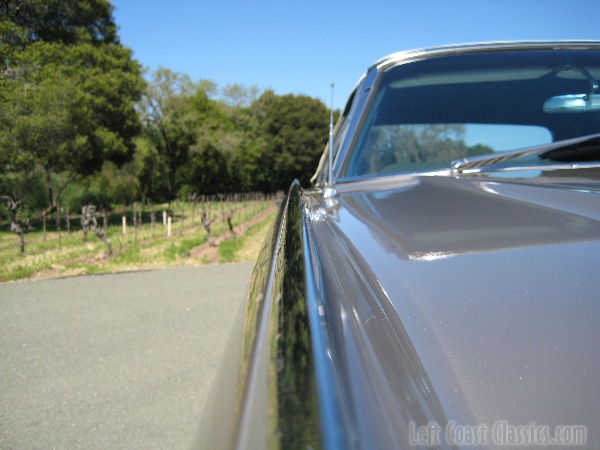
{"x":408,"y":55}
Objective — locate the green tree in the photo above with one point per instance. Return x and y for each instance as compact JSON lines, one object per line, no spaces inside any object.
{"x":151,"y":170}
{"x":206,"y":172}
{"x":295,"y":129}
{"x":120,"y":185}
{"x":65,"y":21}
{"x":236,"y":95}
{"x":216,"y":140}
{"x":68,"y":109}
{"x":68,"y":91}
{"x":166,"y":115}
{"x":196,"y":136}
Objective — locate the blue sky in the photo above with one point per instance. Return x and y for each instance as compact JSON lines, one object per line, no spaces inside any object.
{"x":300,"y":47}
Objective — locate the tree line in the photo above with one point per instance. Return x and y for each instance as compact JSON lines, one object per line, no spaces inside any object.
{"x":82,"y":123}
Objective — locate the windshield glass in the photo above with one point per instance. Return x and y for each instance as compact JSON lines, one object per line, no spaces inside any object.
{"x":431,"y":112}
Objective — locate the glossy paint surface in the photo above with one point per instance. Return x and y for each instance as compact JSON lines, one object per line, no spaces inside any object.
{"x":469,"y":300}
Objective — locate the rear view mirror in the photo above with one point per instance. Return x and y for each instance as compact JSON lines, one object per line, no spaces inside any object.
{"x":572,"y":103}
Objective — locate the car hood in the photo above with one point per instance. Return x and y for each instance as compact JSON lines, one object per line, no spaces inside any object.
{"x":462,"y":301}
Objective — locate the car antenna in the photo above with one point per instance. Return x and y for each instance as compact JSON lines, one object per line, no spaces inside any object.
{"x":331,"y":139}
{"x":329,"y":190}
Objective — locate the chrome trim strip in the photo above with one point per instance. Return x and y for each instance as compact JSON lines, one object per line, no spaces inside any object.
{"x":541,"y":168}
{"x":410,"y":55}
{"x":331,"y":425}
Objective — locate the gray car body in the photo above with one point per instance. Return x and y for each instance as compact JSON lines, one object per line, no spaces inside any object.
{"x":420,"y":310}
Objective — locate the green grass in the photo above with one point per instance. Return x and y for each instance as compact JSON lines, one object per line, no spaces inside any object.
{"x":229,"y":248}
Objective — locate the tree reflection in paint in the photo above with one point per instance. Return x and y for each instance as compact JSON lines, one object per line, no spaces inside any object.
{"x":297,"y":392}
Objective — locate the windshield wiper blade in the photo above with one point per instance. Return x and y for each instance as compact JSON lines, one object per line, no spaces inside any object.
{"x":559,"y":151}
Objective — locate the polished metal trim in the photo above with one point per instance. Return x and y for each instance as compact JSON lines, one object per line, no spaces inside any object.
{"x":410,"y":55}
{"x":330,"y":168}
{"x":331,"y":424}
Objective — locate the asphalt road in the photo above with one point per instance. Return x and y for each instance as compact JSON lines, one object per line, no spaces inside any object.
{"x":120,"y":361}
